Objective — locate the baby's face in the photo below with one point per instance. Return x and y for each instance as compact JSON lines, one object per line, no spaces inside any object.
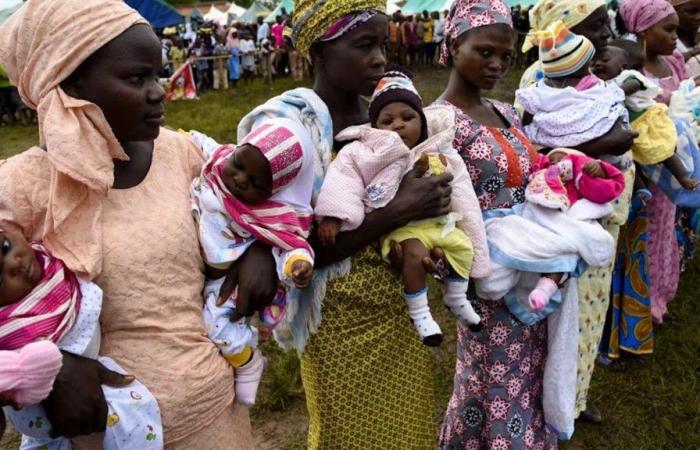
{"x":248,"y":176}
{"x":402,"y":119}
{"x":20,"y":271}
{"x":609,"y":63}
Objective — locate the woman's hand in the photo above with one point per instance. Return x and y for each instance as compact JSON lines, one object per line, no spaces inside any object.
{"x":76,"y":405}
{"x":422,"y":198}
{"x":616,"y":142}
{"x":255,"y":274}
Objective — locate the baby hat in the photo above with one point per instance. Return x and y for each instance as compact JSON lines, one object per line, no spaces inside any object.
{"x":562,"y":52}
{"x":396,"y":86}
{"x":282,"y":148}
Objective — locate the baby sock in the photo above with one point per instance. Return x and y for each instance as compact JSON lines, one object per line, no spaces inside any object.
{"x":428,"y":330}
{"x":455,"y":298}
{"x":539,"y":297}
{"x":247,"y":378}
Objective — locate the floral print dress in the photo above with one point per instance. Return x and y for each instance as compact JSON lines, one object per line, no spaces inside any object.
{"x":497,"y":398}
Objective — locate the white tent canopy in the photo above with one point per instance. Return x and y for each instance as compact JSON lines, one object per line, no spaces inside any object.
{"x":235,"y":11}
{"x":394,"y":5}
{"x":7,"y":7}
{"x":216,"y":15}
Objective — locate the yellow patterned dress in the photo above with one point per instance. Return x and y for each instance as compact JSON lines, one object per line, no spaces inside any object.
{"x":594,"y":297}
{"x":368,"y":378}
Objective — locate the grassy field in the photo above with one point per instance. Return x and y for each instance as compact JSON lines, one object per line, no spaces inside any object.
{"x":653,"y":404}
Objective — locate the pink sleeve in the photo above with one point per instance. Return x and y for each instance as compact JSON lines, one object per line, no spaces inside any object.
{"x":464,"y":201}
{"x":29,"y":374}
{"x":598,"y":190}
{"x":342,"y":192}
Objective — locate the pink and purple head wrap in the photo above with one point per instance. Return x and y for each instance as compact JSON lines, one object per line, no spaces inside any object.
{"x":640,"y":15}
{"x":466,"y":15}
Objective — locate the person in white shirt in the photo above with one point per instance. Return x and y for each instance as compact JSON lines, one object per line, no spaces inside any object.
{"x":439,"y":24}
{"x":265,"y":56}
{"x":263,"y":30}
{"x":247,"y":57}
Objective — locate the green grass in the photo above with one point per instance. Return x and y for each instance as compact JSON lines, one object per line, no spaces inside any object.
{"x":653,"y":404}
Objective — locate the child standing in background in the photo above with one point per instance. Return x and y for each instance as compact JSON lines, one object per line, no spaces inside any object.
{"x":247,"y":57}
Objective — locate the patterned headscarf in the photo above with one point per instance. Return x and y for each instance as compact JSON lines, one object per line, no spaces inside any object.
{"x":315,"y":19}
{"x":548,"y":12}
{"x":640,"y":15}
{"x":469,"y":14}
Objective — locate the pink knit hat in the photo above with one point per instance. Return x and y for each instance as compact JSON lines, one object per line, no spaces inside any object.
{"x":28,"y":374}
{"x":283,"y":150}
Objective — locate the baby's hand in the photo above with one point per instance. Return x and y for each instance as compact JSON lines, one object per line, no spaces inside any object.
{"x":594,"y":169}
{"x":689,"y":183}
{"x":328,"y":230}
{"x":302,"y":272}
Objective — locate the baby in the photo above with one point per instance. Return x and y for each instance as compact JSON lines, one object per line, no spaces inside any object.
{"x":621,"y":64}
{"x":552,"y":232}
{"x":258,"y":190}
{"x":569,"y":106}
{"x":365,"y":176}
{"x":41,"y":299}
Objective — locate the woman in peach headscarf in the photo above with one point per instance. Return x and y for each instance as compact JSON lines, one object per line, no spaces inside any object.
{"x":89,"y":192}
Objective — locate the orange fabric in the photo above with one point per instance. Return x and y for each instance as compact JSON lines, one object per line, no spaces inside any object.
{"x":152,"y":279}
{"x":40,"y":46}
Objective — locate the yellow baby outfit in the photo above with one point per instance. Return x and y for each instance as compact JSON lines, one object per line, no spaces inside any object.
{"x":438,"y":232}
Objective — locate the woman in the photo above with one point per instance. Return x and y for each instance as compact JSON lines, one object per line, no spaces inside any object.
{"x":689,"y":22}
{"x":655,"y":22}
{"x":588,"y":18}
{"x":88,"y":192}
{"x":497,"y":398}
{"x":367,"y":378}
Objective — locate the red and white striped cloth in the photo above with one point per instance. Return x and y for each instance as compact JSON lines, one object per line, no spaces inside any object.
{"x":271,"y":222}
{"x":48,"y":312}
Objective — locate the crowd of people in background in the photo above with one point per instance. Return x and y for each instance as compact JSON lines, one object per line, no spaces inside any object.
{"x":223,"y":55}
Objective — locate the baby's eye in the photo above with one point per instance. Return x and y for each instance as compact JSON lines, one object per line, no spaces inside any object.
{"x":6,"y":246}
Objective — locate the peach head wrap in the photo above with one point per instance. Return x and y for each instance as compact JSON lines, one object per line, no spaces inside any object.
{"x":40,"y":46}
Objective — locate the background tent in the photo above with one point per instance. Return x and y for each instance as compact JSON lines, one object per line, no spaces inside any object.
{"x":394,"y":5}
{"x":158,"y":13}
{"x":418,"y":6}
{"x":196,"y":15}
{"x":256,"y":10}
{"x":286,"y":4}
{"x":216,"y":15}
{"x":7,"y":7}
{"x":235,"y":11}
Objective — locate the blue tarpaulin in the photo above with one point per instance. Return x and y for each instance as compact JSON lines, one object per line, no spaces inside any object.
{"x":158,"y":13}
